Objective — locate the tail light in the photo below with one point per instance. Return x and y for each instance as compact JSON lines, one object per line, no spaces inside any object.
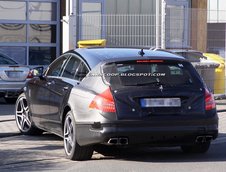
{"x":209,"y":100}
{"x":103,"y":102}
{"x":30,"y":74}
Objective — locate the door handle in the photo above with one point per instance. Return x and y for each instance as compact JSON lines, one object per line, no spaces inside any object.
{"x":50,"y":83}
{"x":65,"y":88}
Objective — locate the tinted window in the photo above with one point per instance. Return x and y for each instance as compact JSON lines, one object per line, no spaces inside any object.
{"x":57,"y":66}
{"x":41,"y":55}
{"x":133,"y":73}
{"x":82,"y":71}
{"x":71,"y":67}
{"x":6,"y":61}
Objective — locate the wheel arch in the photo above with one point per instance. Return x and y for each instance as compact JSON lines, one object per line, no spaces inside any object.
{"x":67,"y":108}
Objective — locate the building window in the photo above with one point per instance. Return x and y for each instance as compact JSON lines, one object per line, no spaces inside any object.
{"x":42,"y":11}
{"x":42,"y":33}
{"x":216,"y":11}
{"x":41,"y":55}
{"x":33,"y":25}
{"x":12,"y":10}
{"x":12,"y":32}
{"x":17,"y":53}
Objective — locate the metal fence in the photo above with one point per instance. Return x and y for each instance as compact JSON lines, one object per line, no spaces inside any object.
{"x":121,"y":30}
{"x":178,"y":28}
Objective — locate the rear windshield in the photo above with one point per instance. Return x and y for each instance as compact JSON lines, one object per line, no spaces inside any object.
{"x":149,"y":72}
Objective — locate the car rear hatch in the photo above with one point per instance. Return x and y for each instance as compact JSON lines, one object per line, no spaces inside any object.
{"x":14,"y":73}
{"x":148,"y":88}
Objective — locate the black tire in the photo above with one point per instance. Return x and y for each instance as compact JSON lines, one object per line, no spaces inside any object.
{"x":72,"y":149}
{"x":10,"y":100}
{"x":23,"y":117}
{"x":197,"y":148}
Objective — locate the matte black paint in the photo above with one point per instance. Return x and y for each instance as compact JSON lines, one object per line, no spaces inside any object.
{"x":48,"y":97}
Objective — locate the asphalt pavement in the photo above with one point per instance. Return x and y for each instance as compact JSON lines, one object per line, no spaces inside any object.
{"x":46,"y":153}
{"x":8,"y":124}
{"x":7,"y":120}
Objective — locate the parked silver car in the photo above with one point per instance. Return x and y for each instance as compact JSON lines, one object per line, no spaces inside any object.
{"x":12,"y":78}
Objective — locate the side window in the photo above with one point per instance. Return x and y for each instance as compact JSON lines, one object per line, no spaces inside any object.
{"x":57,"y":66}
{"x":71,"y":67}
{"x":82,"y":72}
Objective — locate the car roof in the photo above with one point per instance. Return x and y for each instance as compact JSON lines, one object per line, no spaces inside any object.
{"x":93,"y":56}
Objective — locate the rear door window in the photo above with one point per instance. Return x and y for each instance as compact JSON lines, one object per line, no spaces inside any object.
{"x":81,"y":72}
{"x":149,"y":72}
{"x":71,"y":67}
{"x":56,"y":67}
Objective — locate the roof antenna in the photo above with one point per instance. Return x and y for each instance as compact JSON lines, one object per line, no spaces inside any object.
{"x":141,"y":52}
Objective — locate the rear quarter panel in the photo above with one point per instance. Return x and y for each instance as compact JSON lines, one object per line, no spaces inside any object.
{"x":79,"y":100}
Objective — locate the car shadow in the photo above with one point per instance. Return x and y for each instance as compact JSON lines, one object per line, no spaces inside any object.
{"x":168,"y":155}
{"x":217,"y":151}
{"x":48,"y":147}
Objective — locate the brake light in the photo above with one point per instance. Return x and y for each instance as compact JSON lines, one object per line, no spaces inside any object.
{"x":30,"y":74}
{"x":150,"y":61}
{"x":103,"y":102}
{"x":209,"y":100}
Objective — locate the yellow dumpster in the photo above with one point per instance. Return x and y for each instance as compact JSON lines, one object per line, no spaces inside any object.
{"x":219,"y":83}
{"x":92,"y":43}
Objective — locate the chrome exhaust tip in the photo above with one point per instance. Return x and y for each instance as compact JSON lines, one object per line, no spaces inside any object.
{"x":209,"y":138}
{"x":113,"y":141}
{"x":203,"y":139}
{"x":118,"y":141}
{"x":123,"y":141}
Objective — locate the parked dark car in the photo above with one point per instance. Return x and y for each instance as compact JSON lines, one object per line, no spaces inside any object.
{"x":104,"y":97}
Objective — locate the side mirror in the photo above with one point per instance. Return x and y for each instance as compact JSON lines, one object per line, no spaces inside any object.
{"x":38,"y":72}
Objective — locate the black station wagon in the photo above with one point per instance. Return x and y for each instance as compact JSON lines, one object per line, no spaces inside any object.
{"x":99,"y":98}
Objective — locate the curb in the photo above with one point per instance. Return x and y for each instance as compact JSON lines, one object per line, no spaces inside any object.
{"x":7,"y":120}
{"x":4,"y":135}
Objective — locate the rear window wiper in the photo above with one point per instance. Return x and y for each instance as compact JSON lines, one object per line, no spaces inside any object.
{"x":156,"y":83}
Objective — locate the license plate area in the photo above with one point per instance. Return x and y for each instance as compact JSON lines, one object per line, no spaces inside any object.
{"x":14,"y":74}
{"x":160,"y":102}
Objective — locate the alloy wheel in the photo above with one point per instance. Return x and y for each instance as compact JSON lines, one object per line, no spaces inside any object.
{"x":69,"y":135}
{"x":23,"y":118}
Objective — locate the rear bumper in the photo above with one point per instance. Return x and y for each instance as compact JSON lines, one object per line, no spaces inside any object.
{"x":151,"y":133}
